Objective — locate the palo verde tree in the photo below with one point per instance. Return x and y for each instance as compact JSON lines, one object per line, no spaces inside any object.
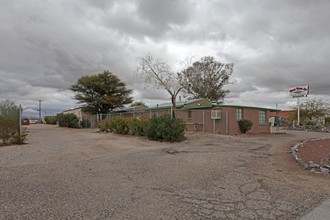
{"x":157,"y":72}
{"x":205,"y":79}
{"x":101,"y":93}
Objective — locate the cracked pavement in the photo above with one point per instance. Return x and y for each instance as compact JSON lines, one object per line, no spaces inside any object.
{"x":78,"y":173}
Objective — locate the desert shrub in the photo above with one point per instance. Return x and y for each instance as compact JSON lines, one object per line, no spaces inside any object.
{"x":165,"y":128}
{"x":52,"y":120}
{"x":137,"y":125}
{"x":104,"y":125}
{"x":311,"y":125}
{"x":119,"y":125}
{"x":68,"y":120}
{"x":9,"y":121}
{"x":19,"y":139}
{"x":245,"y":125}
{"x":7,"y":130}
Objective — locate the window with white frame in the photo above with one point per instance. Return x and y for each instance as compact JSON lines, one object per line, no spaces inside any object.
{"x":239,"y":114}
{"x":262,"y":117}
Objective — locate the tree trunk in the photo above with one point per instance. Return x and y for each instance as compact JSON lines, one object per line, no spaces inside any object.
{"x":173,"y":113}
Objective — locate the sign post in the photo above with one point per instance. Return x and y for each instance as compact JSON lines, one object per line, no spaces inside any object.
{"x":297,"y":92}
{"x":298,"y":112}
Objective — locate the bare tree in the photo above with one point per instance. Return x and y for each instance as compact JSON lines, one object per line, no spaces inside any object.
{"x":310,"y":109}
{"x":157,"y":72}
{"x":205,"y":79}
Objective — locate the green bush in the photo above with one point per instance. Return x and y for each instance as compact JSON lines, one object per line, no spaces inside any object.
{"x":9,"y":124}
{"x":245,"y":125}
{"x":104,"y":125}
{"x":311,"y":125}
{"x":123,"y":125}
{"x":68,"y":120}
{"x":119,"y":125}
{"x":19,"y":139}
{"x":52,"y":120}
{"x":165,"y":128}
{"x":137,"y":125}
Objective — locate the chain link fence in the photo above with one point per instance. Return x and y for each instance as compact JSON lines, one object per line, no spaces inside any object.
{"x":196,"y":120}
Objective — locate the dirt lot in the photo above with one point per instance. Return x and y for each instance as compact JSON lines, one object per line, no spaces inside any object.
{"x":78,"y":173}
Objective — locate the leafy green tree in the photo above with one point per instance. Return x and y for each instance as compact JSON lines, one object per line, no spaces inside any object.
{"x":205,"y":79}
{"x":101,"y":93}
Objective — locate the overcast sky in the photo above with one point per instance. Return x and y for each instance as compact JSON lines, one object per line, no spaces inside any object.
{"x":46,"y":45}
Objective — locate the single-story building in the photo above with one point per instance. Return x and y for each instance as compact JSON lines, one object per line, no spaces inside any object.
{"x":198,"y":114}
{"x":203,"y":115}
{"x":78,"y":112}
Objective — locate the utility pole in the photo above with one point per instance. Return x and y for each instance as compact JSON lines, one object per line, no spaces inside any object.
{"x":277,"y":120}
{"x":40,"y":111}
{"x":20,"y":120}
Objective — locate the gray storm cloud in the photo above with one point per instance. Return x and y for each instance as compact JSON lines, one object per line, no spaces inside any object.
{"x":45,"y":46}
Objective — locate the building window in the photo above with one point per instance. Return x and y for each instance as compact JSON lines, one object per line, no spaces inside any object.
{"x":189,"y":114}
{"x":239,"y":114}
{"x":262,"y":117}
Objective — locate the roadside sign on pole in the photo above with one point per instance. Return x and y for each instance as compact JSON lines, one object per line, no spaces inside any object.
{"x":297,"y":92}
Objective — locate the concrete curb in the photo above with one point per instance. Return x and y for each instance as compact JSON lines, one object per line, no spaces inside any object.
{"x":319,"y":213}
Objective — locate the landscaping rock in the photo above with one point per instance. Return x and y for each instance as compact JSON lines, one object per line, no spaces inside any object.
{"x":324,"y":170}
{"x":302,"y":162}
{"x":172,"y":152}
{"x":313,"y":165}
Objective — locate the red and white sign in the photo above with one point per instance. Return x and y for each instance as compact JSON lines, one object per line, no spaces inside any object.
{"x":299,"y":91}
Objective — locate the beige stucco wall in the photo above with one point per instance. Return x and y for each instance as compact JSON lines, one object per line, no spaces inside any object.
{"x":78,"y":112}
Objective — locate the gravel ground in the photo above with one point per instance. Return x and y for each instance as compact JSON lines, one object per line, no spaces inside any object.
{"x":80,"y":174}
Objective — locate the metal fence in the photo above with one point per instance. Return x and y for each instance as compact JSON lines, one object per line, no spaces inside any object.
{"x":195,"y":120}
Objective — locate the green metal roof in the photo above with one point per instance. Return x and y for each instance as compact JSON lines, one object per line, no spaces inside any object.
{"x":183,"y":106}
{"x":198,"y":106}
{"x":160,"y":108}
{"x":250,"y":107}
